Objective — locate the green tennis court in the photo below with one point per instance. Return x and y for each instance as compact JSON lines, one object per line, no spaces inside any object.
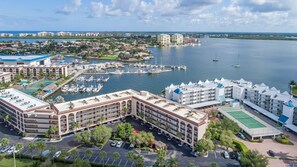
{"x":245,"y":119}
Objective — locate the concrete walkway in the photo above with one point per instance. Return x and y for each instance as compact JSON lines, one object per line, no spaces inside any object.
{"x":281,"y":150}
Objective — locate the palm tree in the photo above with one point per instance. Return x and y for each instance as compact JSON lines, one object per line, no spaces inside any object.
{"x":171,"y":162}
{"x":52,"y":131}
{"x":89,"y":153}
{"x":75,"y":126}
{"x":31,"y":147}
{"x":53,"y":150}
{"x":6,"y":119}
{"x":88,"y":124}
{"x":125,"y":111}
{"x":40,"y":146}
{"x":292,"y":83}
{"x":102,"y":155}
{"x":101,"y":119}
{"x":179,"y":135}
{"x":116,"y":156}
{"x":19,"y":146}
{"x":130,"y":155}
{"x":73,"y":154}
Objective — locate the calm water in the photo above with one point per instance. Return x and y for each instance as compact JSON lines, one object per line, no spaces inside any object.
{"x":270,"y":62}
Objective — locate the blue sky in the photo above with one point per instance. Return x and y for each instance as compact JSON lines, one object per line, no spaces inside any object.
{"x":149,"y":15}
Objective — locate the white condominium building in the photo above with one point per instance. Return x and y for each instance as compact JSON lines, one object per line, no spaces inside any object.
{"x":35,"y":117}
{"x":64,"y":34}
{"x":6,"y":77}
{"x":177,"y":39}
{"x":44,"y":34}
{"x":163,"y":39}
{"x":280,"y":107}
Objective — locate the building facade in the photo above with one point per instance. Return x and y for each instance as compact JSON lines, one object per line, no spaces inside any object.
{"x":33,"y":116}
{"x":177,"y":39}
{"x":278,"y":106}
{"x":33,"y":60}
{"x":6,"y":77}
{"x":163,"y":39}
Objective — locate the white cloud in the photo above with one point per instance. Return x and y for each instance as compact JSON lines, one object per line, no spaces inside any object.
{"x":71,"y":7}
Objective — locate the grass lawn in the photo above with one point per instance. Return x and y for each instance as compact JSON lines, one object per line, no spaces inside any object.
{"x":8,"y":162}
{"x":294,"y":90}
{"x":108,"y":57}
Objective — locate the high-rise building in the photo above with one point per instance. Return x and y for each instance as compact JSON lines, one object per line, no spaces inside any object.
{"x":163,"y":39}
{"x":177,"y":39}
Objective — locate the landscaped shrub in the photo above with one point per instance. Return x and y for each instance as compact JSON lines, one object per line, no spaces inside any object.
{"x":284,"y":141}
{"x":241,"y":146}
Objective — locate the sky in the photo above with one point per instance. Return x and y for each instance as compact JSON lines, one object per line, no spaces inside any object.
{"x":149,"y":15}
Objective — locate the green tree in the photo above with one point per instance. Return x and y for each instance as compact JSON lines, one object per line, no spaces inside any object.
{"x":191,"y":165}
{"x":5,"y":141}
{"x":253,"y":158}
{"x":160,"y":158}
{"x":204,"y":145}
{"x":124,"y":130}
{"x":102,"y":154}
{"x":84,"y":137}
{"x":31,"y":148}
{"x":73,"y":154}
{"x":52,"y":131}
{"x":172,"y":162}
{"x":213,"y":164}
{"x":19,"y":146}
{"x":53,"y":150}
{"x":228,"y":124}
{"x":64,"y":154}
{"x":40,"y":146}
{"x":130,"y":155}
{"x":75,"y":126}
{"x":139,"y":161}
{"x":101,"y":134}
{"x":47,"y":163}
{"x":80,"y":163}
{"x":116,"y":155}
{"x":89,"y":153}
{"x":6,"y":119}
{"x":226,"y":139}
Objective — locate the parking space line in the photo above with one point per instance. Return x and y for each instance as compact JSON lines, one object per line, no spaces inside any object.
{"x":107,"y":161}
{"x":101,"y":160}
{"x":95,"y":159}
{"x":126,"y":163}
{"x":215,"y":154}
{"x":119,"y":162}
{"x":112,"y":162}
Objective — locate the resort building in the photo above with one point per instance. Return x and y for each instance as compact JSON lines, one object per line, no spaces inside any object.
{"x":278,"y":106}
{"x":64,"y":34}
{"x":25,"y":60}
{"x":45,"y":34}
{"x":5,"y":77}
{"x":32,"y":66}
{"x":163,"y":39}
{"x":35,"y":117}
{"x":177,"y":39}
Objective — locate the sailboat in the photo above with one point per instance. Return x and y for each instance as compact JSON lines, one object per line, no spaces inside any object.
{"x":236,"y":65}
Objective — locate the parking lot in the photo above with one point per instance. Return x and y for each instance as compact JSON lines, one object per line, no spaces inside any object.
{"x":182,"y":153}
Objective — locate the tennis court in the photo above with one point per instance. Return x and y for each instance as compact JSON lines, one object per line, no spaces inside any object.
{"x":249,"y":123}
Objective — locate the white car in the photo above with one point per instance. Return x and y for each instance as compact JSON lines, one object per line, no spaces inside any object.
{"x":10,"y":150}
{"x":119,"y":144}
{"x":57,"y":154}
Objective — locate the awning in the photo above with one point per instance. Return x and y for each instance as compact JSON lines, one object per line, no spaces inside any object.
{"x":261,"y":110}
{"x":283,"y":119}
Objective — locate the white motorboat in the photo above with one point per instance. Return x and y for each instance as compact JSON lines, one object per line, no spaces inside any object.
{"x":116,"y":72}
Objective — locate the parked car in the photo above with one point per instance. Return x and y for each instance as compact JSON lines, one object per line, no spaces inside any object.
{"x":226,"y":155}
{"x":132,"y":145}
{"x":45,"y":153}
{"x":271,"y":153}
{"x":235,"y":155}
{"x":57,"y":154}
{"x":113,"y":143}
{"x":194,"y":153}
{"x":119,"y":144}
{"x":10,"y":150}
{"x":240,"y":135}
{"x":4,"y":149}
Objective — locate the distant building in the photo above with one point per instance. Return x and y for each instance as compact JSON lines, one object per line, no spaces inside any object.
{"x":280,"y":107}
{"x":31,"y":66}
{"x":177,"y":39}
{"x":64,"y":34}
{"x":25,"y":60}
{"x":5,"y":77}
{"x":27,"y":35}
{"x":163,"y":39}
{"x":45,"y":34}
{"x":6,"y":35}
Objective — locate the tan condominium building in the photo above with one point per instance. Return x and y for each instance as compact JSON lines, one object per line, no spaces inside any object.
{"x":34,"y":71}
{"x":6,"y":77}
{"x":163,"y":39}
{"x":35,"y":117}
{"x":177,"y":39}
